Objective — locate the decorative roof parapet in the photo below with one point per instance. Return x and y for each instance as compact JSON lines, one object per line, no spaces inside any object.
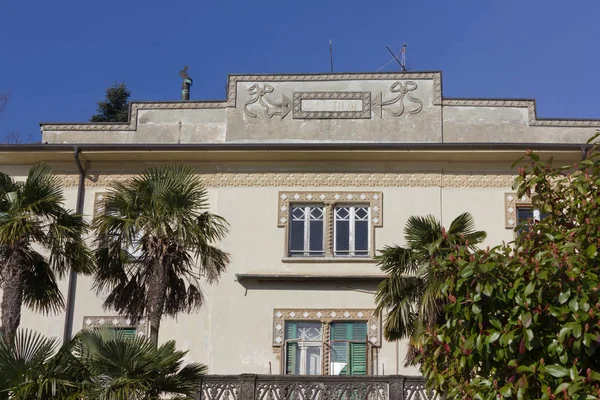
{"x":531,"y":108}
{"x":231,"y":100}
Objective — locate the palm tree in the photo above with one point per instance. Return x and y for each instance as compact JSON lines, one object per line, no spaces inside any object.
{"x":410,"y":296}
{"x":32,"y":369}
{"x":135,"y":368}
{"x":96,"y":364}
{"x":154,"y":241}
{"x":33,"y":218}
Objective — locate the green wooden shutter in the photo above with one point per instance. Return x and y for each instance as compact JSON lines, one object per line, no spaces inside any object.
{"x":359,"y":331}
{"x":290,"y":331}
{"x":291,"y":352}
{"x":127,"y":333}
{"x":341,"y":331}
{"x":358,"y":358}
{"x":291,"y":348}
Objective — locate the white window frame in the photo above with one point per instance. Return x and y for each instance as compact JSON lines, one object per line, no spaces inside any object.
{"x":352,"y":237}
{"x":307,"y":219}
{"x":302,"y":354}
{"x":303,"y":346}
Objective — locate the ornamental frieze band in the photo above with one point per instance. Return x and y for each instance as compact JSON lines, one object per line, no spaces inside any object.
{"x":323,"y":180}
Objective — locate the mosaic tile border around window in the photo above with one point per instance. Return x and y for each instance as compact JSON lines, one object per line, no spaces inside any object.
{"x":326,"y":315}
{"x":330,"y":199}
{"x":375,"y":200}
{"x":511,"y":202}
{"x":111,"y":321}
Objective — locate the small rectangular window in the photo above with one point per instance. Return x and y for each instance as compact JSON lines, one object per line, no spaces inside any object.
{"x":351,"y":231}
{"x":307,"y":231}
{"x":526,"y":214}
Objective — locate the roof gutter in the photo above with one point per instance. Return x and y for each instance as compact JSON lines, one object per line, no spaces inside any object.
{"x":72,"y":284}
{"x":124,"y":147}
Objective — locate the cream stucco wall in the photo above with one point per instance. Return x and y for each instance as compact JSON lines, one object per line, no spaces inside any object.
{"x":233,"y":331}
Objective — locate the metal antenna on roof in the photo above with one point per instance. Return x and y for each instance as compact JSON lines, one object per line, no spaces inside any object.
{"x":401,"y":63}
{"x":331,"y":55}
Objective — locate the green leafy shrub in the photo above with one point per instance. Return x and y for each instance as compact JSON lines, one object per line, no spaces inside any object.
{"x":523,"y":320}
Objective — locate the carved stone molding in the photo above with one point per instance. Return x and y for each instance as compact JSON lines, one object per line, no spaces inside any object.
{"x":374,"y":199}
{"x":271,"y":107}
{"x":395,"y":105}
{"x":326,"y":315}
{"x":511,"y":202}
{"x":436,"y":77}
{"x":324,"y":180}
{"x":115,"y":322}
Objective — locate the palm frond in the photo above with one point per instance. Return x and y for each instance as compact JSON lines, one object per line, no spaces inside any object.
{"x":134,"y":368}
{"x":396,"y":260}
{"x":464,"y":225}
{"x":421,"y":232}
{"x":409,"y":297}
{"x":40,"y":289}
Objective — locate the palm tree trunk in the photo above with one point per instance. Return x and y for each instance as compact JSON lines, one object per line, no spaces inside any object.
{"x":12,"y":299}
{"x":157,"y":293}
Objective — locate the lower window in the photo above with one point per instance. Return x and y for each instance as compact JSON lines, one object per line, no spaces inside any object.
{"x":347,"y":345}
{"x":304,"y":348}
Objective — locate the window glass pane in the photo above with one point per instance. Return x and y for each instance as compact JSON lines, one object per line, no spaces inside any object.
{"x":524,"y":213}
{"x":297,"y":238}
{"x":361,"y":238}
{"x":313,"y":360}
{"x":339,"y":358}
{"x":362,"y":213}
{"x":316,"y":213}
{"x":342,"y":237}
{"x":316,"y":238}
{"x":307,"y":331}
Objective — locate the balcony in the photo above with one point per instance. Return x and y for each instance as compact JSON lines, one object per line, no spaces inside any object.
{"x":289,"y":387}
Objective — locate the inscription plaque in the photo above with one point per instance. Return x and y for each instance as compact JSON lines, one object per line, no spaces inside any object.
{"x":330,"y":105}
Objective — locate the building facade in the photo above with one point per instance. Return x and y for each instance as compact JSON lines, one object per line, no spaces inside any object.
{"x":314,"y":173}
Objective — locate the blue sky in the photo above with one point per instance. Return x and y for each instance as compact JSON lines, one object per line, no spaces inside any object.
{"x":58,"y":57}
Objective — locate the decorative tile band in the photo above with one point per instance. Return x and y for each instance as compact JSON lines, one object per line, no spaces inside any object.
{"x":324,"y":180}
{"x":511,"y":202}
{"x":327,"y":315}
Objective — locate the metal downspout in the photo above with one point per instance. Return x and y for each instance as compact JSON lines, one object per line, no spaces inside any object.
{"x":72,"y":286}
